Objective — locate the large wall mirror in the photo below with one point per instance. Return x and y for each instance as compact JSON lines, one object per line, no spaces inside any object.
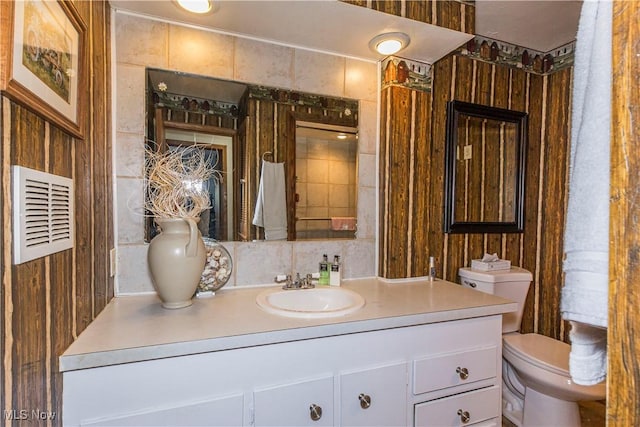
{"x":240,"y":126}
{"x":484,"y":169}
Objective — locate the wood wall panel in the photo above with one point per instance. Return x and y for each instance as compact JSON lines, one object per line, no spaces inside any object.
{"x":539,"y":248}
{"x":101,"y":111}
{"x":623,"y":378}
{"x":553,"y":201}
{"x":451,"y":14}
{"x":421,"y":190}
{"x":440,"y":94}
{"x":532,"y":201}
{"x":399,"y":157}
{"x":419,"y":10}
{"x":48,"y":301}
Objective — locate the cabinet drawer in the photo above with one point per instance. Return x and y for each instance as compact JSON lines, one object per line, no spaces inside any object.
{"x":459,"y":410}
{"x":451,"y":369}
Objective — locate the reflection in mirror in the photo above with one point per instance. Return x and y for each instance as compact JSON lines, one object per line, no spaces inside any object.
{"x":484,"y":169}
{"x":325,"y":183}
{"x":241,"y":123}
{"x":214,"y":222}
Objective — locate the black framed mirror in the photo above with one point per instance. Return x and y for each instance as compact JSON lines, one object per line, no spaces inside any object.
{"x":485,"y":159}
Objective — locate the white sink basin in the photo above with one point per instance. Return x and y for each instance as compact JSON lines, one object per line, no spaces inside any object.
{"x":313,"y":303}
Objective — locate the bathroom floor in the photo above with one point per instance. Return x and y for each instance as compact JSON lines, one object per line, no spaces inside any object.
{"x":592,"y":414}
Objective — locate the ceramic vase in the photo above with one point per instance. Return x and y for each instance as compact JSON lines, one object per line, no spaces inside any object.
{"x":176,"y":259}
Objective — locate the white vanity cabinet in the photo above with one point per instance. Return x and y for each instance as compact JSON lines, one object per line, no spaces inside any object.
{"x":392,"y":376}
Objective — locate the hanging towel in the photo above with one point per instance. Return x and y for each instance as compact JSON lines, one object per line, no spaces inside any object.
{"x":343,"y":223}
{"x":271,"y":205}
{"x":584,"y":299}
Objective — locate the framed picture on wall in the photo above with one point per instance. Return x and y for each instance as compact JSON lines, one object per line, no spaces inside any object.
{"x":42,"y":59}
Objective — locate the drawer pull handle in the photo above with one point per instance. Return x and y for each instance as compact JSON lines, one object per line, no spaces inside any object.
{"x":464,"y":416}
{"x":365,"y":400}
{"x":471,"y":284}
{"x":463,"y":372}
{"x":315,"y":412}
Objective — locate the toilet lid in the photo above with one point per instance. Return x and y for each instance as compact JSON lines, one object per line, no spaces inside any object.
{"x":541,"y":351}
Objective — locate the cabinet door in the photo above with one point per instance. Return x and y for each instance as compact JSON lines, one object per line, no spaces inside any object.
{"x":374,"y":397}
{"x":221,"y":411}
{"x":307,"y":403}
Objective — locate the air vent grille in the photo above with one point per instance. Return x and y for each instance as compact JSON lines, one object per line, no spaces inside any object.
{"x":43,"y":214}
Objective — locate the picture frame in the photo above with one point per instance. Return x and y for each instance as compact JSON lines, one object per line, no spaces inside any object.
{"x":42,"y":60}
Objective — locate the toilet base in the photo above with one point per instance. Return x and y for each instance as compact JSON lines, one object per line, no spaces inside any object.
{"x":512,"y":406}
{"x":542,"y":410}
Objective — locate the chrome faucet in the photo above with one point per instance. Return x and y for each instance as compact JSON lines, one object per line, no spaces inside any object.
{"x":298,"y":283}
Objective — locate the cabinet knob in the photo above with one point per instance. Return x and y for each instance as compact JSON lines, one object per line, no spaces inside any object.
{"x":464,"y":416}
{"x":463,"y":372}
{"x":315,"y":412}
{"x":365,"y":400}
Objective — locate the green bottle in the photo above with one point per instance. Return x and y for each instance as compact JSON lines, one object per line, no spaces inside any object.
{"x":324,"y":271}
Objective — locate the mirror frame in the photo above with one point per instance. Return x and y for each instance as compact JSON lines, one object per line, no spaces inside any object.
{"x":455,"y":109}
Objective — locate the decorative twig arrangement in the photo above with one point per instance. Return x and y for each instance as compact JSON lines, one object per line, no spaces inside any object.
{"x":175,"y":182}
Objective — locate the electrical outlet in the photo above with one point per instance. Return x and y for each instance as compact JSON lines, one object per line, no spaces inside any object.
{"x":468,"y":152}
{"x":112,"y":262}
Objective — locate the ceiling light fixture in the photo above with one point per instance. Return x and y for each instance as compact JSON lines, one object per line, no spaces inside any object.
{"x":389,"y":43}
{"x":196,"y":6}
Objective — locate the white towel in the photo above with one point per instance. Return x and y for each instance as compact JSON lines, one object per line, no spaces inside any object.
{"x":588,"y":356}
{"x":584,"y":299}
{"x":271,"y":205}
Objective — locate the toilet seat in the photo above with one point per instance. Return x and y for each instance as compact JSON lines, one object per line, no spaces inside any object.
{"x":541,"y":351}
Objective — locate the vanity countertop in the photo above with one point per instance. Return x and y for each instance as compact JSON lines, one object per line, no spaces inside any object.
{"x":137,"y":328}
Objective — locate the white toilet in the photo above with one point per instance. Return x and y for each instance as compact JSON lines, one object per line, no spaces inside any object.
{"x":537,"y":389}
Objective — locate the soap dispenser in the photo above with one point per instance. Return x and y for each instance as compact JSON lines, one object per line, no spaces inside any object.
{"x":335,"y":273}
{"x":432,"y":269}
{"x":324,"y":271}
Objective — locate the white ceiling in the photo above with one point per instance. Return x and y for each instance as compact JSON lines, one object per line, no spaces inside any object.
{"x":541,"y":25}
{"x":323,"y":25}
{"x":336,"y":27}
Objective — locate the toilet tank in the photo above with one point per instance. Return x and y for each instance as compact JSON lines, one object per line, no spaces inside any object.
{"x":512,"y":284}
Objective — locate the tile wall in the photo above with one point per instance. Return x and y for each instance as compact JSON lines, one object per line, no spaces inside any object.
{"x":141,"y":43}
{"x":325,"y":184}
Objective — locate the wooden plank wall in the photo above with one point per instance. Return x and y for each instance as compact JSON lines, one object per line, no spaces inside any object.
{"x":47,"y":302}
{"x":623,"y":379}
{"x":452,"y":14}
{"x":412,"y":168}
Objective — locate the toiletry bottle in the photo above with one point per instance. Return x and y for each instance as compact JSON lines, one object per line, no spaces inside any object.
{"x":432,"y":269}
{"x":335,"y":273}
{"x":324,"y":271}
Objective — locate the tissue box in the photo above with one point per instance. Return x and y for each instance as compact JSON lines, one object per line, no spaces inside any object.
{"x":503,"y":264}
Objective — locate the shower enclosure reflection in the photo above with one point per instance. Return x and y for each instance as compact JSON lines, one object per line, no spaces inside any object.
{"x":326,"y":196}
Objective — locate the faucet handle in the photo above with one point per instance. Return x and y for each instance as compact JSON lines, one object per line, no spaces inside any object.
{"x":282,"y":278}
{"x":307,"y":283}
{"x":288,"y":283}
